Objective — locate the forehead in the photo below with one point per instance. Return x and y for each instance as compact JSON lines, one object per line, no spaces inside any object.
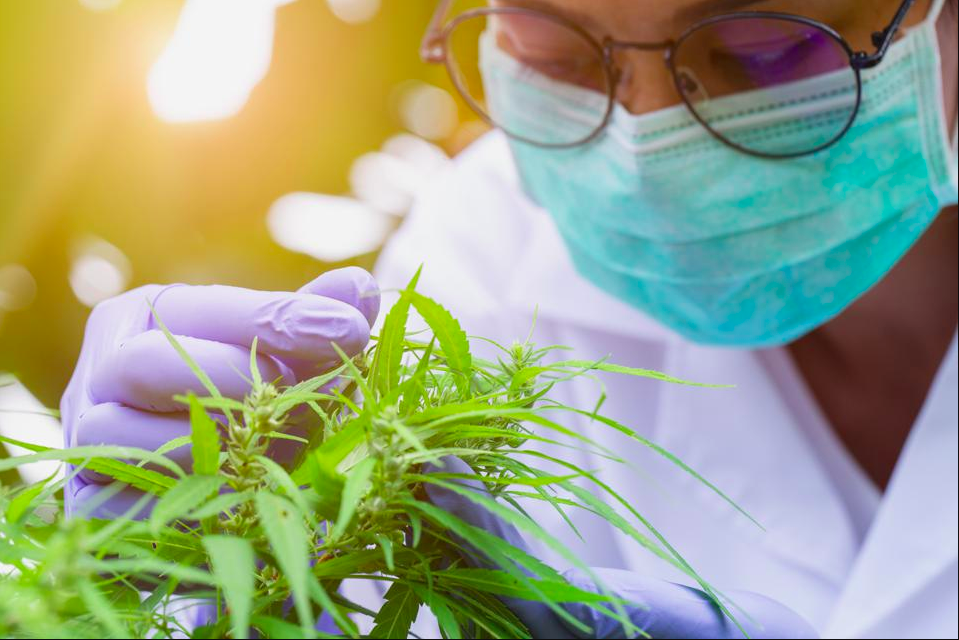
{"x":658,"y":19}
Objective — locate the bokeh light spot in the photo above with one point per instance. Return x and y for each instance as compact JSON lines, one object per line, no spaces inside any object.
{"x":100,"y":5}
{"x":328,"y":228}
{"x":219,"y":51}
{"x":354,"y":11}
{"x":23,"y":417}
{"x":389,"y":179}
{"x":98,"y":271}
{"x":427,"y":110}
{"x":17,"y":287}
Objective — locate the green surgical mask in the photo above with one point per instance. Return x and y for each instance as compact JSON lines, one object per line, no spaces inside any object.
{"x":727,"y":248}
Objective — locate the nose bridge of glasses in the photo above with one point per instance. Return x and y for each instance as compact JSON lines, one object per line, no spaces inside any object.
{"x":643,"y":82}
{"x":659,"y":45}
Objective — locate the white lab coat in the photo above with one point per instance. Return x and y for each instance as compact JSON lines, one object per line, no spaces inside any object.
{"x":852,"y":561}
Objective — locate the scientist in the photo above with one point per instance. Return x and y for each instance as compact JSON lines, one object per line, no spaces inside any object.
{"x":754,"y":193}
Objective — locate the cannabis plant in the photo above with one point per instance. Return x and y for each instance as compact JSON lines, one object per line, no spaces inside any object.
{"x":269,"y":545}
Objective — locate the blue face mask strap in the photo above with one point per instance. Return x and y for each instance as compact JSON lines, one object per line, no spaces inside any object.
{"x":934,"y":10}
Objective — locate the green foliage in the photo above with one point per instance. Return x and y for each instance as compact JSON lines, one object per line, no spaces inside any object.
{"x":233,"y":565}
{"x":269,"y":545}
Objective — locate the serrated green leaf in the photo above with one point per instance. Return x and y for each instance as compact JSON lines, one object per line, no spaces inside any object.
{"x":182,"y":498}
{"x":100,"y":607}
{"x":388,"y":357}
{"x":172,"y":445}
{"x":221,"y":503}
{"x":397,"y":614}
{"x":277,"y":628}
{"x":451,"y":337}
{"x":326,"y":603}
{"x":632,"y":371}
{"x":327,"y":483}
{"x":503,"y":555}
{"x":147,"y":566}
{"x":233,"y":566}
{"x":413,"y":387}
{"x":284,"y":529}
{"x":285,"y":484}
{"x":502,"y":584}
{"x":662,"y":452}
{"x":334,"y":449}
{"x":254,"y":368}
{"x":95,"y":454}
{"x":21,"y":502}
{"x":416,"y":526}
{"x":386,"y":546}
{"x":354,"y":488}
{"x":137,"y":477}
{"x":440,"y":606}
{"x":205,"y":438}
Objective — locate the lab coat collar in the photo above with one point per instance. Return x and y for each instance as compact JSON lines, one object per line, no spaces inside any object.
{"x":914,"y":536}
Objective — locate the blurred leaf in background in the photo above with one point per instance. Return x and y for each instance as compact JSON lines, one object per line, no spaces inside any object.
{"x":201,"y":141}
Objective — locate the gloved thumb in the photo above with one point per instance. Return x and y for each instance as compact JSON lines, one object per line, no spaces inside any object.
{"x":464,"y":508}
{"x":352,"y":285}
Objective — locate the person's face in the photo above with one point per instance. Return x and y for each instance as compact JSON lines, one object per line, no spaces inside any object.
{"x":646,"y":84}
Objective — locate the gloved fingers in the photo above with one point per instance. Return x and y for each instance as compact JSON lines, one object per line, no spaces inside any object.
{"x":668,"y":610}
{"x":145,"y":371}
{"x":115,"y":424}
{"x":464,"y":508}
{"x":537,"y":616}
{"x":288,"y":325}
{"x":98,"y":501}
{"x":768,"y":618}
{"x":352,"y":285}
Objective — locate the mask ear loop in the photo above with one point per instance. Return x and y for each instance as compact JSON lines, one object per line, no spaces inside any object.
{"x":935,"y":9}
{"x":929,"y":25}
{"x":931,"y":20}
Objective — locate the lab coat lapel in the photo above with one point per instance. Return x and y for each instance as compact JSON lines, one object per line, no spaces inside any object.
{"x":914,"y":536}
{"x":759,"y":455}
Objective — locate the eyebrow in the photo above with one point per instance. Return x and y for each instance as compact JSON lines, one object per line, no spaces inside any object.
{"x":689,"y":14}
{"x":703,"y":8}
{"x":581,"y":18}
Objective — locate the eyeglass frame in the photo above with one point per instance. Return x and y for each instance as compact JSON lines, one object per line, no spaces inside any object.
{"x":433,"y":50}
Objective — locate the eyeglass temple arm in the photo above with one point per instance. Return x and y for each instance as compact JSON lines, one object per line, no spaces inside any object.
{"x":882,"y":39}
{"x":431,"y":47}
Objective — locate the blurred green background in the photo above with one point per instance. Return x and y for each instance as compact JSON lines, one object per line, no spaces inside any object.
{"x":99,"y":193}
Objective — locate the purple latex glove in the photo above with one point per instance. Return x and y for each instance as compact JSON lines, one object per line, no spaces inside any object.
{"x":664,"y":609}
{"x":122,"y":389}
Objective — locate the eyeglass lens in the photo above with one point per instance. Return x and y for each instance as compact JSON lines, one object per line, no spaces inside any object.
{"x":768,"y":85}
{"x":510,"y":66}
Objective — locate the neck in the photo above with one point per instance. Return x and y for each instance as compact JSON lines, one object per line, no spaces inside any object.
{"x":912,"y":310}
{"x":870,"y":368}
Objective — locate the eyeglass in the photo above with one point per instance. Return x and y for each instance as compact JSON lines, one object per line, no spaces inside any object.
{"x":723,"y":66}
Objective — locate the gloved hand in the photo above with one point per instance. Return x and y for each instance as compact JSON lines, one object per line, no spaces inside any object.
{"x":122,"y":389}
{"x":664,"y":609}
